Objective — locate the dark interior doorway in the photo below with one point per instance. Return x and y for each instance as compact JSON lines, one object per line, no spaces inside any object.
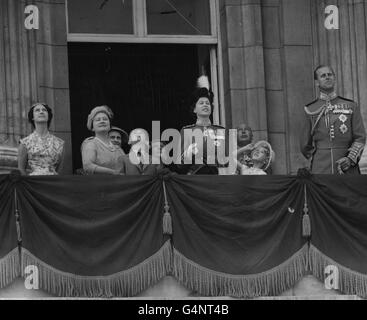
{"x":139,"y":82}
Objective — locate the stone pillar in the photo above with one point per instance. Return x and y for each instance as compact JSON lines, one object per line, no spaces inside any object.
{"x":18,"y":85}
{"x":243,"y":65}
{"x":53,"y":70}
{"x":288,"y":77}
{"x":33,"y":67}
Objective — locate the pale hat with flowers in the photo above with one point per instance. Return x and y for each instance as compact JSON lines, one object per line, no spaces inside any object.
{"x":95,"y":111}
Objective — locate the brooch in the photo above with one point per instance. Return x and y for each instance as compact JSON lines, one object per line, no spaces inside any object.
{"x":343,"y":128}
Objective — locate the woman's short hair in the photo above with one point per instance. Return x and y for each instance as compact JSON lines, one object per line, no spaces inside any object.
{"x":30,"y":113}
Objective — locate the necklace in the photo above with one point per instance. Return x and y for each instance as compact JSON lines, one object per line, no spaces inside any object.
{"x":108,"y":146}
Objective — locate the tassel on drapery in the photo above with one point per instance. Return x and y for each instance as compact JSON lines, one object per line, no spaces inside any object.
{"x":126,"y":283}
{"x":306,"y":222}
{"x":208,"y":282}
{"x":167,"y":219}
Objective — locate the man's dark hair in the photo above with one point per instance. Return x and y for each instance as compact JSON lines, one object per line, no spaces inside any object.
{"x":319,"y":67}
{"x":30,"y":113}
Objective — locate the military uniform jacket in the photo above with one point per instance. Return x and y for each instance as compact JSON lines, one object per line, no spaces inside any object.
{"x":210,"y":150}
{"x":333,"y":129}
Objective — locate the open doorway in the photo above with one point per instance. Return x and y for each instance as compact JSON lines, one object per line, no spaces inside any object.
{"x":139,"y":82}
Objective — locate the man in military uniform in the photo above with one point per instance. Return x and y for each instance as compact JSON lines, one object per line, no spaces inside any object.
{"x":334,"y":136}
{"x":203,"y":144}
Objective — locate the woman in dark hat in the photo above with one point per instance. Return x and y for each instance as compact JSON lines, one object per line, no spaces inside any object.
{"x":99,"y":155}
{"x":119,"y":138}
{"x":202,"y":151}
{"x":40,"y":153}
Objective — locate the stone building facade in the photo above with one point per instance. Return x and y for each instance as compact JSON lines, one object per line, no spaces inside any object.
{"x":265,"y":53}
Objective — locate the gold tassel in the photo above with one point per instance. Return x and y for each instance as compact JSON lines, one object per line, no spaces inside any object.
{"x":167,"y":222}
{"x":167,"y":219}
{"x":306,"y":225}
{"x":306,"y":221}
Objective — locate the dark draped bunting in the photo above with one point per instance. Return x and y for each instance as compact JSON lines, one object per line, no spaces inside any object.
{"x":338,"y":210}
{"x":94,"y":235}
{"x":227,"y":235}
{"x":9,"y":255}
{"x":237,"y":236}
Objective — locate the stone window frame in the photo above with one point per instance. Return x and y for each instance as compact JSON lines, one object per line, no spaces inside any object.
{"x":141,"y":35}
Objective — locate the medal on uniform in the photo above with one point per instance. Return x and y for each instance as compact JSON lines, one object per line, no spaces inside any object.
{"x":343,"y":128}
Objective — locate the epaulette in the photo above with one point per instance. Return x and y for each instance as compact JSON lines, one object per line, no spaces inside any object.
{"x":312,"y":102}
{"x":88,"y":139}
{"x":218,"y":126}
{"x":312,"y":113}
{"x":189,"y":126}
{"x":350,"y":100}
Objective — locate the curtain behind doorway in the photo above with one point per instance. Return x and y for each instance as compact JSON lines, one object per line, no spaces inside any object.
{"x":139,"y":82}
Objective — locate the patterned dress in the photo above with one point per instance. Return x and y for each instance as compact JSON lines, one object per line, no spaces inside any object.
{"x":43,"y":153}
{"x":95,"y":153}
{"x":245,"y":170}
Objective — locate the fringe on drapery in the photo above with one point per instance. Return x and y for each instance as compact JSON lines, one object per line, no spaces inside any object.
{"x":349,"y":282}
{"x":9,"y":268}
{"x":126,"y":283}
{"x":207,"y":282}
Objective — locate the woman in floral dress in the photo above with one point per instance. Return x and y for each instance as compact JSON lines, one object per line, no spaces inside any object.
{"x":40,"y":153}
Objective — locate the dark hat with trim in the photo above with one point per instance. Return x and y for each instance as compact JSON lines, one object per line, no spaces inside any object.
{"x":202,"y":91}
{"x":124,"y":135}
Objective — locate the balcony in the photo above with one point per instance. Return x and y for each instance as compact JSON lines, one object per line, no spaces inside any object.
{"x":243,"y":237}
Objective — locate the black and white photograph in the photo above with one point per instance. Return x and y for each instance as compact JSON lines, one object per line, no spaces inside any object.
{"x":198,"y":151}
